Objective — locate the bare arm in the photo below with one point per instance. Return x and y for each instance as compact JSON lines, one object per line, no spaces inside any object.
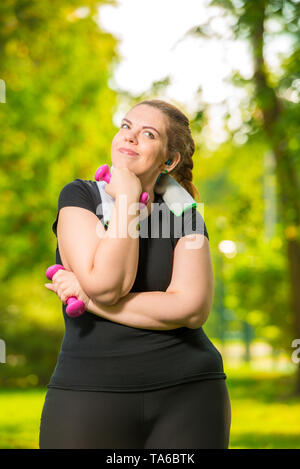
{"x":117,"y":253}
{"x":104,"y":262}
{"x":144,"y":310}
{"x":187,"y":301}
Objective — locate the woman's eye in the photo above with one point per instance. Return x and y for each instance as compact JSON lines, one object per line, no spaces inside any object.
{"x":152,"y":135}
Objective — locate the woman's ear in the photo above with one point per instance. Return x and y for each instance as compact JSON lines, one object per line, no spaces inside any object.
{"x":175,"y":161}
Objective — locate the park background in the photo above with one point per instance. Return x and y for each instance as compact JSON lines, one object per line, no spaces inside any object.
{"x":69,"y":70}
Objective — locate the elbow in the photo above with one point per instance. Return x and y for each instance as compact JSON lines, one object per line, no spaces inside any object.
{"x":102,"y":293}
{"x":108,"y":298}
{"x":198,"y":319}
{"x":200,"y":312}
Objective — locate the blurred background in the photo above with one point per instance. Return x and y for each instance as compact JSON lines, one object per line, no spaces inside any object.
{"x":69,"y":71}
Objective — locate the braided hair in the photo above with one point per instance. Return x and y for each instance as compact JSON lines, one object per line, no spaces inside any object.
{"x":179,"y":140}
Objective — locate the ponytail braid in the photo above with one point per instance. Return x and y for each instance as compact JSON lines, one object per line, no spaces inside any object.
{"x":182,"y":173}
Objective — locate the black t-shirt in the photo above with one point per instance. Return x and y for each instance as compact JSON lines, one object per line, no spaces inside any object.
{"x":99,"y":354}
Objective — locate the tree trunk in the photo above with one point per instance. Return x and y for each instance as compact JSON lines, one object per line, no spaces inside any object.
{"x":293,"y":250}
{"x":286,"y":172}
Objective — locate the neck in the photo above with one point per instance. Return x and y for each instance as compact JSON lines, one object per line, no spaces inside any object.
{"x":148,"y":185}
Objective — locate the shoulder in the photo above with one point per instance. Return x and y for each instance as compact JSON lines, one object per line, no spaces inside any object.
{"x":77,"y":185}
{"x":79,"y":189}
{"x":78,"y":193}
{"x":190,"y":222}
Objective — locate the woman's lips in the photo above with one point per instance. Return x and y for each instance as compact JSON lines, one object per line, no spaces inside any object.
{"x":126,"y":151}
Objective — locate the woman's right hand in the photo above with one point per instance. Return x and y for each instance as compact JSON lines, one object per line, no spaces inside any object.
{"x":123,"y":181}
{"x":65,"y":284}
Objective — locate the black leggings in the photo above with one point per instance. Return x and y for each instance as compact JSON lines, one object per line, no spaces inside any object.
{"x":189,"y":415}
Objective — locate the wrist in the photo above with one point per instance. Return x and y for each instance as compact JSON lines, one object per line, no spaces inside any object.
{"x":128,"y":202}
{"x":132,"y":196}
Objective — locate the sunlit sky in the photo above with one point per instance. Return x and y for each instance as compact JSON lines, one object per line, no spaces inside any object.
{"x":151,"y":46}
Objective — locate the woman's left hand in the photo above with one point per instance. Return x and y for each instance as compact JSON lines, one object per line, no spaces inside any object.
{"x":65,"y":284}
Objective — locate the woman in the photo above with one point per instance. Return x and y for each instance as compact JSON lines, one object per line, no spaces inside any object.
{"x":136,"y":370}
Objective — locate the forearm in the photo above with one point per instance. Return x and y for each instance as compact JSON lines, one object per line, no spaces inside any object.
{"x":116,"y":258}
{"x":145,"y":310}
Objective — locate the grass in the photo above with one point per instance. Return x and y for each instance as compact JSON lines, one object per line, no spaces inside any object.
{"x":265,"y":415}
{"x":20,"y":418}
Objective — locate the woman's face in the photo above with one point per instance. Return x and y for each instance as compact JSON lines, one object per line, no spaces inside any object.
{"x":143,"y":131}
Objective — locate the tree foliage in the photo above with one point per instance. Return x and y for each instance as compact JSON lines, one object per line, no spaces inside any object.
{"x":56,"y":125}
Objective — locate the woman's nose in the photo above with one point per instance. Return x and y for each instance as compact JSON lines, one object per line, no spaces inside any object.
{"x":130,"y":137}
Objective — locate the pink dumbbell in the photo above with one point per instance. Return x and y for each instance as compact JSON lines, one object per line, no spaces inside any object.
{"x":75,"y":307}
{"x":103,"y":174}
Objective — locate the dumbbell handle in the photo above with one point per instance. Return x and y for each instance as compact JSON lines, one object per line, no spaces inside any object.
{"x":75,"y":307}
{"x":103,"y":174}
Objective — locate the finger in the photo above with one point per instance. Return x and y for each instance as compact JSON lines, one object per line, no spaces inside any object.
{"x":57,"y":273}
{"x":64,"y":300}
{"x":65,"y":295}
{"x":59,"y":293}
{"x":69,"y":292}
{"x":62,"y":296}
{"x":59,"y":283}
{"x":50,"y":286}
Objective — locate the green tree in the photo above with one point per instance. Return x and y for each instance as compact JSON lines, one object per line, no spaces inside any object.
{"x":56,"y":125}
{"x":270,"y":122}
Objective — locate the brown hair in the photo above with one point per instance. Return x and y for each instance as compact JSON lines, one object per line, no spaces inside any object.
{"x":179,"y":139}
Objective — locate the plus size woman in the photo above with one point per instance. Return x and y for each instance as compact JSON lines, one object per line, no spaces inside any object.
{"x":136,"y":370}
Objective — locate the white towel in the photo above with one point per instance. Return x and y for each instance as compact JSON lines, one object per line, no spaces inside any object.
{"x":174,"y":195}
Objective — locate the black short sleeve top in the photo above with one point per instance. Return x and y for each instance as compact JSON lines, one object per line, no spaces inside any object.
{"x":98,"y":354}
